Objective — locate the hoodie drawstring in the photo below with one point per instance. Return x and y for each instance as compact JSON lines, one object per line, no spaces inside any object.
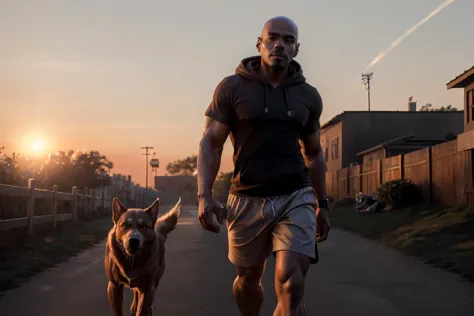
{"x":262,"y":210}
{"x":290,"y":113}
{"x":285,"y":93}
{"x":266,"y":98}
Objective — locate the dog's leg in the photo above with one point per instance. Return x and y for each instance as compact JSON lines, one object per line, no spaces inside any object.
{"x":145,"y":302}
{"x":133,"y":308}
{"x":115,"y":295}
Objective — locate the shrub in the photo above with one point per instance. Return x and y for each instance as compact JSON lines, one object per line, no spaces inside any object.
{"x":399,"y":193}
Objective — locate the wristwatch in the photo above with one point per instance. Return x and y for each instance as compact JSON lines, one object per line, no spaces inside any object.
{"x":323,"y":203}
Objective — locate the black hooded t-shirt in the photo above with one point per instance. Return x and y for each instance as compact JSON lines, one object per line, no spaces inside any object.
{"x":266,"y":125}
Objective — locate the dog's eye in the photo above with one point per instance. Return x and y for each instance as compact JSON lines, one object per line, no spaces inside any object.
{"x":125,"y":225}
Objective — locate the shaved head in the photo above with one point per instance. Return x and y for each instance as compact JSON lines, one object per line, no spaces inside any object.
{"x":283,"y":21}
{"x":278,"y":43}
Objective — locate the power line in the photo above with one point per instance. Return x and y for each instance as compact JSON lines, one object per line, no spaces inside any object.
{"x":146,"y":154}
{"x":366,"y":77}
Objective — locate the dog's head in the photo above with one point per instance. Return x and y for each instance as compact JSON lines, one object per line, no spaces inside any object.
{"x":135,"y":227}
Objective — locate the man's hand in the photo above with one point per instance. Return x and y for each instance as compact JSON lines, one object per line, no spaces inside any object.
{"x":207,"y":207}
{"x":323,"y":224}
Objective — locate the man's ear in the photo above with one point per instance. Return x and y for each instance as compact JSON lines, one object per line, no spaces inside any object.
{"x":297,"y":50}
{"x":153,"y":210}
{"x":259,"y":42}
{"x":117,"y":210}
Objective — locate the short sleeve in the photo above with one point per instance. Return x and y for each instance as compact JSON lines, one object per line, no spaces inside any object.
{"x":221,"y":108}
{"x":313,"y":123}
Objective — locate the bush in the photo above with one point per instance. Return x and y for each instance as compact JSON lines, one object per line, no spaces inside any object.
{"x":399,"y":193}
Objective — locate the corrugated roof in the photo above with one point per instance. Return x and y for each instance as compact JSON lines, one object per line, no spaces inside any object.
{"x":339,"y":117}
{"x":454,"y":83}
{"x":384,"y":144}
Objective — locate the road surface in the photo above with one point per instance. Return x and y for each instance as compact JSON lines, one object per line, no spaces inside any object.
{"x":355,"y":277}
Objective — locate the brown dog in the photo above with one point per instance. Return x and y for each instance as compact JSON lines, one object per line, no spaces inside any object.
{"x":135,"y":254}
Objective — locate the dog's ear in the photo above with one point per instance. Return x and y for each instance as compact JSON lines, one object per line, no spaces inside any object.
{"x":153,"y":210}
{"x":167,"y":222}
{"x":117,"y":210}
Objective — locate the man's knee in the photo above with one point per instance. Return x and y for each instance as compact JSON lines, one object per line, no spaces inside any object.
{"x":291,"y":269}
{"x":290,"y":281}
{"x":250,"y":277}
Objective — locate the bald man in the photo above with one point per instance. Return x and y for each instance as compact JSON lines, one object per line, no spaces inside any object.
{"x":272,"y":116}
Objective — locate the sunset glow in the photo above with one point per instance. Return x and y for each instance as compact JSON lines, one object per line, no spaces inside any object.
{"x":37,"y":146}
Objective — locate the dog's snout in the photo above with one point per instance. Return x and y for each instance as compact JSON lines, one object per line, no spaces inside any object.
{"x":134,"y":242}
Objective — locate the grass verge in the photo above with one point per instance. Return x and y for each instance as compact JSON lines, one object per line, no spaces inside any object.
{"x":443,"y":237}
{"x":32,"y":255}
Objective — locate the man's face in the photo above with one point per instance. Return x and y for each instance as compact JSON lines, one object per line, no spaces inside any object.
{"x":278,"y":44}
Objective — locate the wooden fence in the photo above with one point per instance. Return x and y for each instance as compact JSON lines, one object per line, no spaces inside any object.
{"x":443,"y":174}
{"x":79,"y":205}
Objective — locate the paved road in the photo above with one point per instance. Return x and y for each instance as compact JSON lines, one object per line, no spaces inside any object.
{"x":355,"y":277}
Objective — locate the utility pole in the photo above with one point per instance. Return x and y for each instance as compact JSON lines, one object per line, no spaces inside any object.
{"x":146,"y":154}
{"x":366,"y":77}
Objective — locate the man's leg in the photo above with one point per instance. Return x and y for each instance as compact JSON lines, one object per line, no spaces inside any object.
{"x":248,"y":289}
{"x":250,"y":244}
{"x":294,"y":243}
{"x":290,"y":273}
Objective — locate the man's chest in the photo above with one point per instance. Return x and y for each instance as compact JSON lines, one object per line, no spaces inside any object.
{"x":272,"y":104}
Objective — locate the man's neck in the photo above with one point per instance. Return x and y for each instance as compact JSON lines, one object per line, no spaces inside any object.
{"x":273,"y":76}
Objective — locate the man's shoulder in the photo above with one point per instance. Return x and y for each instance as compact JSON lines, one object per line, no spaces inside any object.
{"x":310,"y":88}
{"x":230,"y":82}
{"x":313,"y":94}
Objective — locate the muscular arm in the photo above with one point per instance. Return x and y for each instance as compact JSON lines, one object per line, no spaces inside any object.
{"x":209,"y":155}
{"x":314,"y":160}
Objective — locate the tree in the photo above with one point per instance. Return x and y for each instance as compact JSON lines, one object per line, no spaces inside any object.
{"x":429,"y":108}
{"x":186,"y":166}
{"x":81,"y":169}
{"x":10,"y":172}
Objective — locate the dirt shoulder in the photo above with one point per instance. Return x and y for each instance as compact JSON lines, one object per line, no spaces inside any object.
{"x":31,"y":255}
{"x":443,"y":237}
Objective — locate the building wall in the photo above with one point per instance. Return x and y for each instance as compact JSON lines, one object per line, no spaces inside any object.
{"x":468,"y":111}
{"x":363,"y":130}
{"x":331,"y":142}
{"x":171,"y":188}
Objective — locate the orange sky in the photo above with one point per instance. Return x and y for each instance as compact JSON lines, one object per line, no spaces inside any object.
{"x":115,"y":76}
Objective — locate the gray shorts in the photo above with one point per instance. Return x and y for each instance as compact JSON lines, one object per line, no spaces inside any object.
{"x":259,"y":226}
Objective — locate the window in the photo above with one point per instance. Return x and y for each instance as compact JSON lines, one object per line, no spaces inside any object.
{"x":470,"y":105}
{"x":335,"y":149}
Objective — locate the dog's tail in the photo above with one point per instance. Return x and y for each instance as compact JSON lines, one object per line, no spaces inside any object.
{"x":167,"y":222}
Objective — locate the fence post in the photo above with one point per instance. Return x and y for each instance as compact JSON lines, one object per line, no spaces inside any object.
{"x":430,"y":173}
{"x":102,"y":198}
{"x":86,"y":201}
{"x":92,"y":200}
{"x":75,"y":202}
{"x":55,"y":204}
{"x":361,"y":176}
{"x":30,"y":211}
{"x":400,"y":165}
{"x":379,"y":171}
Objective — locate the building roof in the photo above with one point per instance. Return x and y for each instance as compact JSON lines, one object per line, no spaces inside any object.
{"x":462,"y":80}
{"x":407,"y":141}
{"x":338,"y":118}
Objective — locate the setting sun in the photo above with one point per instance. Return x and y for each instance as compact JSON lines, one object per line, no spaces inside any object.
{"x":37,"y":146}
